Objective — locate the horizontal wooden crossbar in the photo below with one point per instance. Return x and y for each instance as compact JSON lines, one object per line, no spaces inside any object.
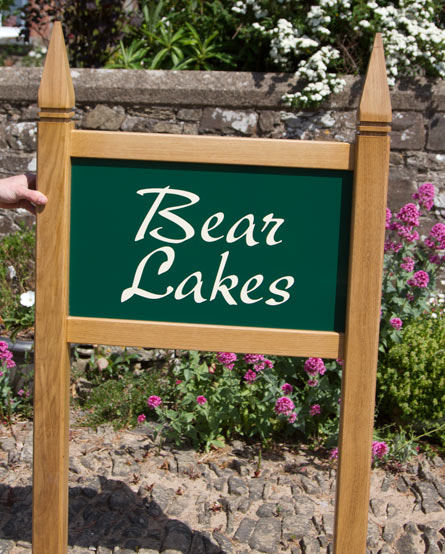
{"x":184,"y":336}
{"x":211,"y":149}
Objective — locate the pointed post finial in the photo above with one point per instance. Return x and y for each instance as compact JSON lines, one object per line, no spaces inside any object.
{"x":56,"y":90}
{"x":375,"y":103}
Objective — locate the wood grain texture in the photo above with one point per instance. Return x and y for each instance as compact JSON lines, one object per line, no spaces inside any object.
{"x":52,"y":364}
{"x":375,"y":102}
{"x":216,"y":337}
{"x":363,"y":312}
{"x":56,"y":87}
{"x":210,"y":149}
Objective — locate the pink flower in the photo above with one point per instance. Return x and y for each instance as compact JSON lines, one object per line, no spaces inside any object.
{"x":339,"y":360}
{"x":6,"y":355}
{"x":287,"y":388}
{"x":406,"y":233}
{"x":227,"y":359}
{"x":292,"y":417}
{"x":420,"y":279}
{"x":408,"y":264}
{"x":178,"y":381}
{"x":263,"y":364}
{"x":425,"y":195}
{"x":394,"y":246}
{"x":436,"y":240}
{"x":409,"y":214}
{"x":435,"y":259}
{"x":154,"y":401}
{"x":21,"y":392}
{"x":250,"y":376}
{"x":312,"y":382}
{"x":315,"y":410}
{"x":102,"y":363}
{"x":141,"y":418}
{"x":314,"y":366}
{"x":253,"y":358}
{"x":396,"y":323}
{"x":379,"y":449}
{"x":284,"y":405}
{"x":201,"y":400}
{"x":333,"y":455}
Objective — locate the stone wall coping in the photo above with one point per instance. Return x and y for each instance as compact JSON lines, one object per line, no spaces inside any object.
{"x":208,"y":88}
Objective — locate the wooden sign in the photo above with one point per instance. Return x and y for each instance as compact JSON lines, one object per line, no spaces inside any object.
{"x":208,"y":243}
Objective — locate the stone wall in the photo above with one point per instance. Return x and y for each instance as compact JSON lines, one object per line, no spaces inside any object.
{"x":226,"y":103}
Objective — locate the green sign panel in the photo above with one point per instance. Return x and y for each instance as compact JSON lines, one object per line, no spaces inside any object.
{"x":209,"y":244}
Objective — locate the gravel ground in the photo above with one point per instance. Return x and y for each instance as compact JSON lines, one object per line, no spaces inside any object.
{"x":128,"y":495}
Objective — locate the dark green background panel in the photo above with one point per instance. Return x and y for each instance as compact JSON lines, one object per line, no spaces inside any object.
{"x":106,"y":213}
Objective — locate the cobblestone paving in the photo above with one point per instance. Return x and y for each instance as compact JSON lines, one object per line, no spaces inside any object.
{"x":129,"y":495}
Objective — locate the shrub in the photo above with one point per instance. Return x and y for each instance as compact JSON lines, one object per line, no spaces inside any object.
{"x":91,"y":27}
{"x":411,"y":265}
{"x":11,"y":402}
{"x":225,"y":395}
{"x":17,"y":280}
{"x":317,"y":40}
{"x":411,"y":382}
{"x":321,"y":39}
{"x":120,"y":401}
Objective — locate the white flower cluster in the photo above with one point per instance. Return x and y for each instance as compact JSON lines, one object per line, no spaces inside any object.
{"x":241,"y":6}
{"x":411,"y":38}
{"x":321,"y":82}
{"x":286,"y":42}
{"x":437,"y":303}
{"x":413,"y":42}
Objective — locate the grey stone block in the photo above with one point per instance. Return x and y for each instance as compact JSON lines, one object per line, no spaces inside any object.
{"x":408,"y":131}
{"x":436,"y":133}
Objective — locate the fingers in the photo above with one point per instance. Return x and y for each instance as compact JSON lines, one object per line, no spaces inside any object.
{"x":19,"y":191}
{"x":33,"y":196}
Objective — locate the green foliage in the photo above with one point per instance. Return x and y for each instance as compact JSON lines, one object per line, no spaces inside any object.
{"x":411,"y":264}
{"x":162,"y":37}
{"x":12,"y":403}
{"x":106,"y":364}
{"x":119,"y":401}
{"x":411,"y":381}
{"x":213,"y":402}
{"x":5,"y":7}
{"x":17,"y":276}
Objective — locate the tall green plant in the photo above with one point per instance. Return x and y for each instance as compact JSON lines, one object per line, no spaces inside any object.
{"x":17,"y":280}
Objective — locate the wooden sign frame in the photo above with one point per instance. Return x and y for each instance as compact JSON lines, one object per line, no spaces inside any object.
{"x":368,"y":158}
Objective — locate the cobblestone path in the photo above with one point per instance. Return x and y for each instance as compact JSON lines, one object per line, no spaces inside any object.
{"x":129,"y":495}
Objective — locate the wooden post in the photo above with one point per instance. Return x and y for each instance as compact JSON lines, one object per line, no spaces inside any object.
{"x":363,"y":309}
{"x":52,"y":364}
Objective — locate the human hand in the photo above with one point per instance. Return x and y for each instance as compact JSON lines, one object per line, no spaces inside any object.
{"x":19,"y":192}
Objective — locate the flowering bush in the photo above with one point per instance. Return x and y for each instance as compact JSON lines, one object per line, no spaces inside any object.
{"x":411,"y":264}
{"x":9,"y":402}
{"x":320,"y":39}
{"x":222,"y":395}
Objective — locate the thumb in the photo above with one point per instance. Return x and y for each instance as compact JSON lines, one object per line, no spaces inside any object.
{"x":33,"y":196}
